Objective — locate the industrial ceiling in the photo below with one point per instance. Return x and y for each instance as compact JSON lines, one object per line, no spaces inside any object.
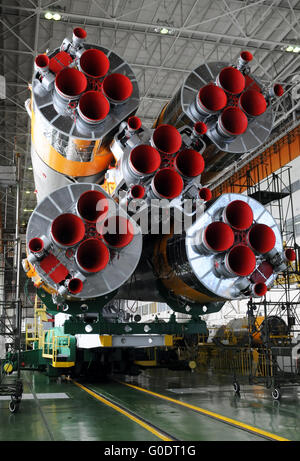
{"x":162,"y":40}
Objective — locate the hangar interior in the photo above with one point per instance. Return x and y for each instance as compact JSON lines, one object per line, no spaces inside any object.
{"x":150,"y":334}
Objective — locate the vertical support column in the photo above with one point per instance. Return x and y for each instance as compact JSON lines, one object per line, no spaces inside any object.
{"x":18,"y":256}
{"x":2,"y":292}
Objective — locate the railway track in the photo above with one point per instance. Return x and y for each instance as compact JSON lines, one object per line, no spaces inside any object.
{"x":160,"y":433}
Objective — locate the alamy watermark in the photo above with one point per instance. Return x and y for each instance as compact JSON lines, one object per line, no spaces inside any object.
{"x":152,"y":216}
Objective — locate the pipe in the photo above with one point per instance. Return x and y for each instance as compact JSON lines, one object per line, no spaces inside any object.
{"x":205,"y":194}
{"x":117,"y":88}
{"x":75,"y":285}
{"x":167,"y":183}
{"x":231,"y":80}
{"x":117,"y":232}
{"x":189,"y":163}
{"x":92,"y":205}
{"x":70,"y":83}
{"x":92,"y":255}
{"x":67,"y":230}
{"x":253,"y":103}
{"x":167,"y":139}
{"x":232,"y":122}
{"x":240,"y":261}
{"x":93,"y":107}
{"x":261,"y":238}
{"x":238,"y":214}
{"x":216,"y":237}
{"x":94,"y":63}
{"x":144,"y":160}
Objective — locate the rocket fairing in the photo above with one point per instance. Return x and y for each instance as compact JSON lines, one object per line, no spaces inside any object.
{"x":88,"y":147}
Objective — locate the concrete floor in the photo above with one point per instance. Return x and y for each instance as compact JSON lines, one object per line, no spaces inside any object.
{"x":62,"y":411}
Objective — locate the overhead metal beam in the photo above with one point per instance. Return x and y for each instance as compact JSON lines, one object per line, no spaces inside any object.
{"x":185,"y":32}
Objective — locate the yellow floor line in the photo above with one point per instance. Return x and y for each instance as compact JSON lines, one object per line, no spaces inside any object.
{"x":125,"y":413}
{"x":212,"y":414}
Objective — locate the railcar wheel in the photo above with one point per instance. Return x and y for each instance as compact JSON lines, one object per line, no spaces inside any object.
{"x":276,"y":394}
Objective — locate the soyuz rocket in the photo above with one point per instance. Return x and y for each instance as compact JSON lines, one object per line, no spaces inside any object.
{"x":106,"y":185}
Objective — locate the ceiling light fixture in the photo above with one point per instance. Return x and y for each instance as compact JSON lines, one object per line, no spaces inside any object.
{"x":164,"y":30}
{"x":293,"y":49}
{"x":55,"y":16}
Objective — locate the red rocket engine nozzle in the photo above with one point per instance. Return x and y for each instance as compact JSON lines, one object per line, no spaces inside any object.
{"x":218,"y":237}
{"x":290,"y":254}
{"x":240,"y":260}
{"x":238,"y":214}
{"x":67,"y":230}
{"x":278,"y":90}
{"x":232,"y":122}
{"x":144,"y":160}
{"x":275,"y":91}
{"x":93,"y":107}
{"x":205,"y":194}
{"x":211,"y":99}
{"x":167,"y":139}
{"x":92,"y":206}
{"x":36,"y":245}
{"x":41,"y":62}
{"x":92,"y":255}
{"x":75,"y":285}
{"x":261,"y":238}
{"x":253,"y":103}
{"x":72,"y":247}
{"x":167,"y":183}
{"x":70,"y":83}
{"x":137,"y":191}
{"x":134,"y":123}
{"x":231,"y":80}
{"x":246,"y":56}
{"x":117,"y":232}
{"x":189,"y":163}
{"x":94,"y":63}
{"x":117,"y":88}
{"x":79,"y":35}
{"x":260,"y":289}
{"x":200,"y":128}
